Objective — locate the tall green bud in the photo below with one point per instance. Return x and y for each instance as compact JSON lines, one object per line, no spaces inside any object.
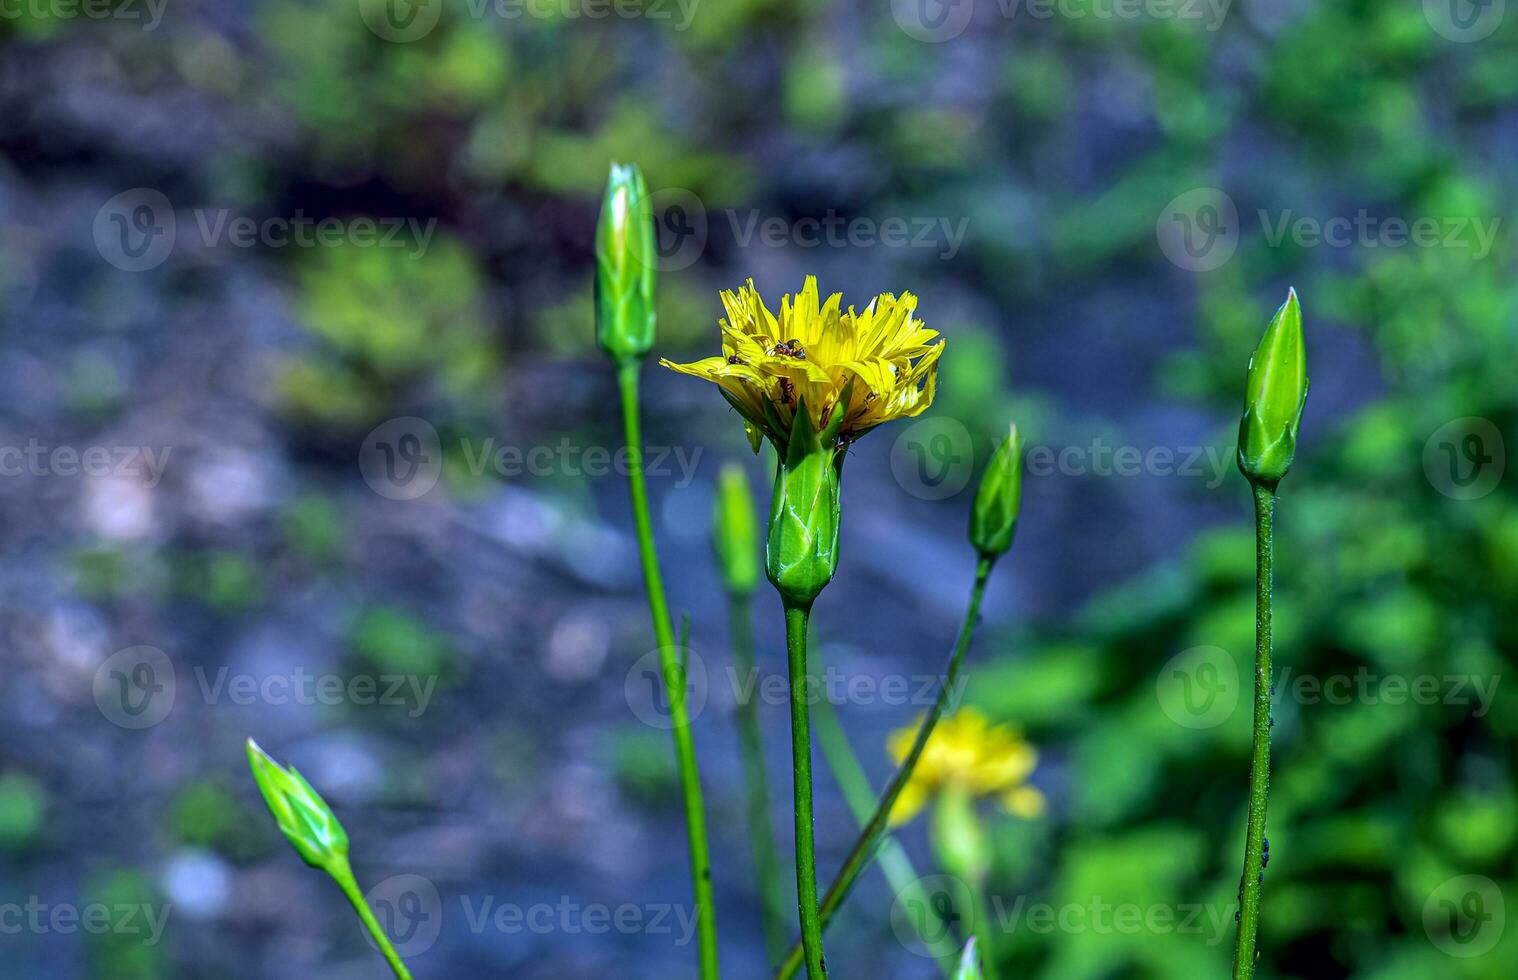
{"x":735,"y":532}
{"x":969,"y":963}
{"x":993,"y":519}
{"x":302,"y":815}
{"x":625,"y":266}
{"x":1274,"y":397}
{"x":801,"y":551}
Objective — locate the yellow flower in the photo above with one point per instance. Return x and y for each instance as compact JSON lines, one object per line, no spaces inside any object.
{"x":968,"y":753}
{"x":878,"y":364}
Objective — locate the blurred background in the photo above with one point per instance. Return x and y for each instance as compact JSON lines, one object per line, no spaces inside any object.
{"x":304,"y":437}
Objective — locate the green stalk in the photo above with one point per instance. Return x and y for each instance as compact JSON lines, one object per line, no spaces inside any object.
{"x":342,"y":873}
{"x":1259,"y":765}
{"x":756,"y":785}
{"x":985,"y":931}
{"x":796,"y":616}
{"x":900,"y":874}
{"x":674,"y":677}
{"x":864,"y":846}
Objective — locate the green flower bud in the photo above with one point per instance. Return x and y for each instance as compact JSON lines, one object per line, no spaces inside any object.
{"x":969,"y":963}
{"x":801,"y":552}
{"x":625,"y":258}
{"x":304,"y":817}
{"x":735,"y":532}
{"x":993,"y":519}
{"x":959,"y":837}
{"x":1275,"y":395}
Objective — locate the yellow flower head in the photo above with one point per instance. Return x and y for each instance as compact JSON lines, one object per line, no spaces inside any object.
{"x":968,"y":753}
{"x":877,"y":365}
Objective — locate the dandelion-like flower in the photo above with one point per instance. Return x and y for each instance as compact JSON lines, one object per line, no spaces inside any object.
{"x":853,"y":368}
{"x":966,"y":752}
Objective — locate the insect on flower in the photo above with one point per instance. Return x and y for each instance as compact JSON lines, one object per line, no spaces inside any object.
{"x":876,"y":364}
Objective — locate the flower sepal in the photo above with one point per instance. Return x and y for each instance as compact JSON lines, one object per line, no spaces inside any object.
{"x":801,"y":549}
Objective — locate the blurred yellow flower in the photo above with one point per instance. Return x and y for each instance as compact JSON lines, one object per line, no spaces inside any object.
{"x":880,"y":364}
{"x":970,"y":754}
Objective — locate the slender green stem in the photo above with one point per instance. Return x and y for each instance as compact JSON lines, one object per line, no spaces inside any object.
{"x":985,"y":931}
{"x":864,"y":846}
{"x":905,"y":883}
{"x":796,"y":616}
{"x":343,"y":875}
{"x":756,"y":785}
{"x":1259,"y":765}
{"x":674,"y":678}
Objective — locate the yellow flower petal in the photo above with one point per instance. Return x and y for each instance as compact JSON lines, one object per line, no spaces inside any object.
{"x":882,"y":360}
